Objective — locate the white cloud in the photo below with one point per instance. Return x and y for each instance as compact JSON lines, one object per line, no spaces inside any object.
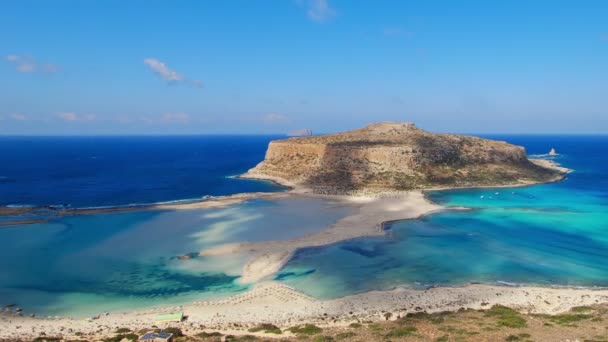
{"x":168,"y":118}
{"x":72,"y":117}
{"x":18,"y":117}
{"x":171,"y":76}
{"x":162,"y":70}
{"x":26,"y":64}
{"x":274,"y":118}
{"x":318,"y":10}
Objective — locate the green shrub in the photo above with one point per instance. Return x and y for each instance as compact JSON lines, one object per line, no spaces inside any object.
{"x":567,"y":319}
{"x":123,"y":330}
{"x":307,"y":329}
{"x":345,"y":335}
{"x":231,"y":338}
{"x":355,"y":325}
{"x":323,"y":339}
{"x":267,"y":328}
{"x":129,"y":337}
{"x":435,"y":318}
{"x":211,"y":334}
{"x":507,"y":317}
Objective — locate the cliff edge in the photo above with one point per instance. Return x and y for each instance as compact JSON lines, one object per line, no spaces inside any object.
{"x":397,"y":156}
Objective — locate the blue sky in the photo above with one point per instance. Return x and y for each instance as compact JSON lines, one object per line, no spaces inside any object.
{"x":270,"y":66}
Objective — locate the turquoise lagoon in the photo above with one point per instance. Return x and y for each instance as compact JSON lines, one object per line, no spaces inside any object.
{"x":551,"y":234}
{"x":85,"y":265}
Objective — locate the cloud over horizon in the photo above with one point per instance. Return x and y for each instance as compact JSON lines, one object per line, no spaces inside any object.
{"x":181,"y":118}
{"x":169,"y":75}
{"x":167,"y":118}
{"x":18,"y":117}
{"x":74,"y":117}
{"x":27,"y":64}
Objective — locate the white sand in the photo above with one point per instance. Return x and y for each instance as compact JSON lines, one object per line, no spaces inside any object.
{"x":369,"y":218}
{"x":275,"y":303}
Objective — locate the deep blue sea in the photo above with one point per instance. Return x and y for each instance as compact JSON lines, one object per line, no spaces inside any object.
{"x":552,"y":234}
{"x":108,"y":171}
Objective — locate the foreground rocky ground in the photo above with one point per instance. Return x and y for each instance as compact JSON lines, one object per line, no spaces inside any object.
{"x":497,"y":323}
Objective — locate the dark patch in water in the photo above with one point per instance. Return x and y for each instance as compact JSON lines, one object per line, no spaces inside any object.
{"x":373,"y":253}
{"x":291,"y":275}
{"x":138,"y":281}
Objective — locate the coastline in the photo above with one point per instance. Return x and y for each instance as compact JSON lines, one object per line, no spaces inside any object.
{"x":275,"y":303}
{"x":272,"y":302}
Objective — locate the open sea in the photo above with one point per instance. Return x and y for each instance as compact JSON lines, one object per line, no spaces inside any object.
{"x":552,"y":234}
{"x":110,"y":171}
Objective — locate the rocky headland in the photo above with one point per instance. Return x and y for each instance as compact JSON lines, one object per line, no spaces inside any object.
{"x":398,"y":156}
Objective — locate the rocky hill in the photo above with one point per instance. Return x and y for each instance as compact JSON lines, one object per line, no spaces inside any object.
{"x":397,"y":156}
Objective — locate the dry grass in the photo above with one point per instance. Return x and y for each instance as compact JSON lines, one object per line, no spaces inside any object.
{"x":497,"y":323}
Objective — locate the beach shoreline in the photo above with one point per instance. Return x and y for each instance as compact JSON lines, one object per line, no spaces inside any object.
{"x":283,"y":306}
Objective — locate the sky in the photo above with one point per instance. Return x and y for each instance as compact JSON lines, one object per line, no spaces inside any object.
{"x":86,"y":67}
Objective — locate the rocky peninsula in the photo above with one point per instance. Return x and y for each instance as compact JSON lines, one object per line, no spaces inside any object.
{"x":380,"y":170}
{"x":392,"y":156}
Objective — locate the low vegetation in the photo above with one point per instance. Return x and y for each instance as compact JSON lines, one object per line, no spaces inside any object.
{"x":267,"y":328}
{"x":402,"y":332}
{"x":506,"y":316}
{"x":307,"y":329}
{"x":121,"y":338}
{"x":496,"y":323}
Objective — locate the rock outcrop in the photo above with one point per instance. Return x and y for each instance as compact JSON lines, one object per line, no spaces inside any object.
{"x":397,"y":156}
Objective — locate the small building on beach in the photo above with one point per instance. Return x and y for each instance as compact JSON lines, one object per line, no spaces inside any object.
{"x":157,"y":337}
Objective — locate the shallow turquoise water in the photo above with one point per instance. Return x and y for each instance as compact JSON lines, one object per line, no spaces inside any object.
{"x":84,"y":265}
{"x":553,"y":234}
{"x":547,"y":234}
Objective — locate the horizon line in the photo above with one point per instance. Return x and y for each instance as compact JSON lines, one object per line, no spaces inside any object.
{"x":281,"y":134}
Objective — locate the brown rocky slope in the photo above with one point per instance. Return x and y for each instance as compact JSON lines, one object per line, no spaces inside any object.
{"x":398,"y":156}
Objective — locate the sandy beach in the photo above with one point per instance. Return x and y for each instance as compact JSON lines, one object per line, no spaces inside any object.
{"x":270,"y":302}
